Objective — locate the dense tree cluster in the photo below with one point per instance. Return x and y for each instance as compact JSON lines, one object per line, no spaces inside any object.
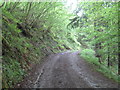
{"x":98,"y":30}
{"x":30,"y":31}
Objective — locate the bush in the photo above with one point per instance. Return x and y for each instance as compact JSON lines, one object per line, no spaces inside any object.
{"x":89,"y":55}
{"x":12,"y":73}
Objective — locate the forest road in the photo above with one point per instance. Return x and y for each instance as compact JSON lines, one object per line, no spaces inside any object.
{"x":66,"y":70}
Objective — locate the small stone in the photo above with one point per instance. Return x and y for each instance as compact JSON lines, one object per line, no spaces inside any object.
{"x":18,"y":85}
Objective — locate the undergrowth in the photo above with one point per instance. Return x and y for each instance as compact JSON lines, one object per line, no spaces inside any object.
{"x":89,"y":56}
{"x":24,"y":46}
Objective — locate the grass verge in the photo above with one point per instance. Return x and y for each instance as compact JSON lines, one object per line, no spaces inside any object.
{"x":89,"y":56}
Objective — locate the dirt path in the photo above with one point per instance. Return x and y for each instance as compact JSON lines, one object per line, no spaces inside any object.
{"x":66,"y":70}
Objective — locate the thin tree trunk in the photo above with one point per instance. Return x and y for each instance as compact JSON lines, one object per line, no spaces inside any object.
{"x":108,"y":56}
{"x":118,"y":58}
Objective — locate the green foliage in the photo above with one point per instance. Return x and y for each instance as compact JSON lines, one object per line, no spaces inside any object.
{"x":30,"y":32}
{"x":89,"y":55}
{"x":33,"y":30}
{"x":97,"y":28}
{"x":109,"y":73}
{"x":12,"y":71}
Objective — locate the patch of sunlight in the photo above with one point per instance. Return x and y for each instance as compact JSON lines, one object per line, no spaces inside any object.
{"x":71,"y":5}
{"x":80,"y":13}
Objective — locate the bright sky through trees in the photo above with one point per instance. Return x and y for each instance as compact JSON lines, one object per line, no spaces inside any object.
{"x":71,"y":5}
{"x":80,"y":13}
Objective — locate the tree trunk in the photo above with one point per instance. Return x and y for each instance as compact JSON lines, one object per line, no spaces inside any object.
{"x":118,"y":58}
{"x":108,"y":56}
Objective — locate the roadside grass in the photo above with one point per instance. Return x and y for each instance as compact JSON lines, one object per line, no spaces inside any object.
{"x":89,"y":56}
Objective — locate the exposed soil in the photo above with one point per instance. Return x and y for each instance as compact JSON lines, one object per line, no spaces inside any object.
{"x":66,"y":70}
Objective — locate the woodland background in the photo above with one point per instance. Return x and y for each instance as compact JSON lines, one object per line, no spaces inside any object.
{"x":32,"y":31}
